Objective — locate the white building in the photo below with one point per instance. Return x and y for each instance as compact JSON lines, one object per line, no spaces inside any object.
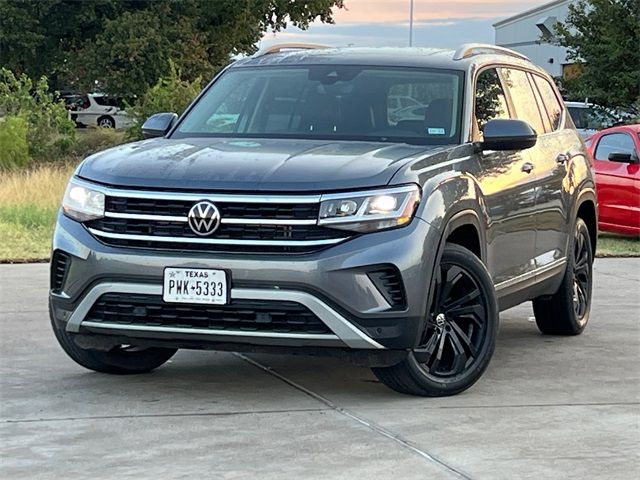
{"x":523,"y":32}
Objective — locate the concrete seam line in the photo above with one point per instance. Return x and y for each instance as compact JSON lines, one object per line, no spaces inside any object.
{"x":161,"y":415}
{"x":349,"y":414}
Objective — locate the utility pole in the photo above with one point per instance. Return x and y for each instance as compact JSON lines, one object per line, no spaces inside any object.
{"x":411,"y":23}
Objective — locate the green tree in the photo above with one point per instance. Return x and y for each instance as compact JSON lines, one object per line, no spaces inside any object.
{"x":127,"y":44}
{"x":603,"y":37}
{"x":50,"y":133}
{"x":171,"y":94}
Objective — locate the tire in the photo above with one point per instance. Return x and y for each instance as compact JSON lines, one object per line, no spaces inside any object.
{"x":106,"y":122}
{"x":121,"y":360}
{"x":460,"y":332}
{"x":567,"y":311}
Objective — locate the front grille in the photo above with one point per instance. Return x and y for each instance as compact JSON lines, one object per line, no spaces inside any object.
{"x":240,"y":315}
{"x":388,"y":281}
{"x":150,"y":206}
{"x":248,"y":224}
{"x":59,"y":266}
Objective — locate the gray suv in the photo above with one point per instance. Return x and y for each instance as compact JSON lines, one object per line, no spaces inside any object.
{"x":294,"y":208}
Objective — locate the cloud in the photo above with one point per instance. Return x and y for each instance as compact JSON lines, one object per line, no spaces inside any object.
{"x":445,"y":33}
{"x":392,"y":11}
{"x":386,"y":23}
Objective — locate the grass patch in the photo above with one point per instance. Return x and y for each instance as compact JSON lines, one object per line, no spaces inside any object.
{"x":610,"y":245}
{"x":29,"y":201}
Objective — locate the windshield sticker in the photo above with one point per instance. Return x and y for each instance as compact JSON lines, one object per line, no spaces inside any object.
{"x":435,"y":131}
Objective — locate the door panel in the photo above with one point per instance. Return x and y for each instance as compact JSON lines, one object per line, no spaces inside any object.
{"x":510,"y":201}
{"x":554,"y":160}
{"x":618,"y":184}
{"x":509,"y":192}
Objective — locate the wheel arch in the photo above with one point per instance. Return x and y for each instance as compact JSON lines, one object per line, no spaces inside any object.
{"x":587,"y":209}
{"x":464,"y":229}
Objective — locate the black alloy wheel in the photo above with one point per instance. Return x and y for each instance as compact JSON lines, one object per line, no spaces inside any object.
{"x":457,"y":342}
{"x":581,"y":274}
{"x":566,"y":312}
{"x":456,"y":326}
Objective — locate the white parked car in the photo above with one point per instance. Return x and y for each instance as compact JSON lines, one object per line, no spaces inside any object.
{"x":584,"y":117}
{"x":99,"y":110}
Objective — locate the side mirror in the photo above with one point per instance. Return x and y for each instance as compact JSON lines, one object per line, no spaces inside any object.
{"x":503,"y":134}
{"x":623,"y":157}
{"x":158,"y":125}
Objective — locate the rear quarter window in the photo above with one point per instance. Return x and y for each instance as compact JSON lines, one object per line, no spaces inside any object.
{"x":553,"y":107}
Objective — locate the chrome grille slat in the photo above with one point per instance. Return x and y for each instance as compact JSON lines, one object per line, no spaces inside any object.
{"x":214,"y":241}
{"x":231,"y":221}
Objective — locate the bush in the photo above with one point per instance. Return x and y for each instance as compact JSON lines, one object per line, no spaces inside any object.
{"x":13,"y":143}
{"x":50,"y":131}
{"x":170,"y":94}
{"x":92,"y":140}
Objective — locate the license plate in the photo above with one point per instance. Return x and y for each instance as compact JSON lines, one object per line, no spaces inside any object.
{"x":195,"y":285}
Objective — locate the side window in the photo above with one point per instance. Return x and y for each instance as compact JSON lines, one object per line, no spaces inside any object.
{"x":522,"y":97}
{"x":490,"y":102}
{"x":551,"y":102}
{"x":614,"y":143}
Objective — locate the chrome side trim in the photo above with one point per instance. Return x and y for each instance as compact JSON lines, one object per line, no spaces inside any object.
{"x":546,"y":269}
{"x":217,"y":241}
{"x":216,"y":197}
{"x":231,"y":221}
{"x":341,"y":327}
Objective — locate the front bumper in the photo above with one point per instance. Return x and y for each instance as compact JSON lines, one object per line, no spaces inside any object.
{"x":332,"y":283}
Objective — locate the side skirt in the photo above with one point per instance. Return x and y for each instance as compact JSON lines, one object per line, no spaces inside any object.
{"x":540,"y":281}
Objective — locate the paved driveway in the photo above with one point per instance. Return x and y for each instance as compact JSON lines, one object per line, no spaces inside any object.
{"x":548,"y":407}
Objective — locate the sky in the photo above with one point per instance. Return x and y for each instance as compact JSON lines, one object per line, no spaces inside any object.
{"x":438,"y":24}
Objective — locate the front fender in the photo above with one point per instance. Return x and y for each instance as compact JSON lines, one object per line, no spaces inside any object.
{"x":453,"y":199}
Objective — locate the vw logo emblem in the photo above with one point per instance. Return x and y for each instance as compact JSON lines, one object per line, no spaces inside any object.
{"x":204,"y":218}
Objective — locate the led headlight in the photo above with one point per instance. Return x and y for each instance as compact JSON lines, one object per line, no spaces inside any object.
{"x":82,"y":203}
{"x":370,"y":210}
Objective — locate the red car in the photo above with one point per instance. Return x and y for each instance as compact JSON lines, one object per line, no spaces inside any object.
{"x":616,"y":154}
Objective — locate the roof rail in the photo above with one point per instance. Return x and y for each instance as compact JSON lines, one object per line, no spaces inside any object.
{"x":287,"y":46}
{"x":470,"y":49}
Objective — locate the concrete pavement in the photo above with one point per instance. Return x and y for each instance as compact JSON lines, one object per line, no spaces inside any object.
{"x":548,"y":407}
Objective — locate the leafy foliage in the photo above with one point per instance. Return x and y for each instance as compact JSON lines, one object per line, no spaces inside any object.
{"x":13,"y":143}
{"x":126,"y":44}
{"x":50,"y":132}
{"x":171,"y":94}
{"x":603,"y":36}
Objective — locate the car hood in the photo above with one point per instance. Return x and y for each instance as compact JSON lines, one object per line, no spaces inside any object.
{"x":232,"y":164}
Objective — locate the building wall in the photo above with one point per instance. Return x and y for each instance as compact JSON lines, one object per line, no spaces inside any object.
{"x":521,"y":34}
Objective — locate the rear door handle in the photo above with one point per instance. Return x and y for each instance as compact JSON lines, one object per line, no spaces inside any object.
{"x":562,"y":158}
{"x":527,"y":167}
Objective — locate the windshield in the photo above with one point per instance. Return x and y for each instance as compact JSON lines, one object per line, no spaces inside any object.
{"x":330,"y":102}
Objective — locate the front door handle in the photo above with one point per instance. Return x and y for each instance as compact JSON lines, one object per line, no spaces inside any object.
{"x":562,"y":158}
{"x":527,"y":167}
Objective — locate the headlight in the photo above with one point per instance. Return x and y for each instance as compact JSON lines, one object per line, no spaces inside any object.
{"x":371,"y":210}
{"x":81,"y":203}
